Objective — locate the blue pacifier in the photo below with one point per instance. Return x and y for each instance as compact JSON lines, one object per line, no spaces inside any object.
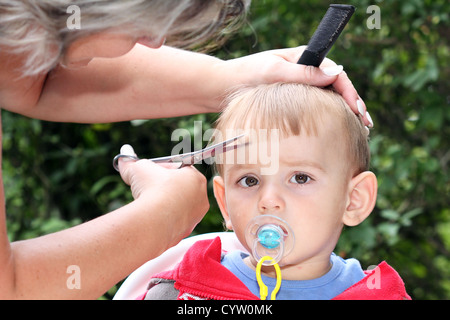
{"x":268,"y":235}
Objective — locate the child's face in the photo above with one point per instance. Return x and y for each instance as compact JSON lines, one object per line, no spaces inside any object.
{"x":309,"y":192}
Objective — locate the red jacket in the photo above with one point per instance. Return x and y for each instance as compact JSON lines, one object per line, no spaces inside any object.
{"x":200,"y":275}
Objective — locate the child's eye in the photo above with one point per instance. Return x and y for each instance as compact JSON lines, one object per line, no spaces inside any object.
{"x":248,"y":181}
{"x":300,"y":178}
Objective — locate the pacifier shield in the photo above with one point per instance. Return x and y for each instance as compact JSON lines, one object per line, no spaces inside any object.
{"x":268,"y":235}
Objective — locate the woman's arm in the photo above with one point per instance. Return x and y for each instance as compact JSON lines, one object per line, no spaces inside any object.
{"x":105,"y":250}
{"x":144,"y":83}
{"x":165,"y":82}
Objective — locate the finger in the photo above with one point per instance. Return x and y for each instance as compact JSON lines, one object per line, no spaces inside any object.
{"x":131,"y":170}
{"x":293,"y":72}
{"x":311,"y":75}
{"x":290,"y":54}
{"x":345,"y":88}
{"x":125,"y":170}
{"x":124,"y":163}
{"x":327,"y":63}
{"x":170,"y":165}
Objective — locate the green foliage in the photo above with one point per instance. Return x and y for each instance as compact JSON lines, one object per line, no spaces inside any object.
{"x":58,"y":175}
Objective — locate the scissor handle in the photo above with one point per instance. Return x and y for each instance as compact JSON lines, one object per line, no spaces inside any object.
{"x":116,"y":159}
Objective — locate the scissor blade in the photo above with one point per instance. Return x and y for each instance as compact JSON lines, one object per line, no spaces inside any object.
{"x":211,"y":151}
{"x":199,"y":155}
{"x":219,"y":148}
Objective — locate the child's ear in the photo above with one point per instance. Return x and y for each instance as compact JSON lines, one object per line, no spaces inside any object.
{"x":219,"y":193}
{"x":362,"y":196}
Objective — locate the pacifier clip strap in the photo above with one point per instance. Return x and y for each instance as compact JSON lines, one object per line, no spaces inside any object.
{"x":263,"y":290}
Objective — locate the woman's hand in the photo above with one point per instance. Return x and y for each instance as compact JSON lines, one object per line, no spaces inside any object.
{"x":181,"y":192}
{"x":281,"y":66}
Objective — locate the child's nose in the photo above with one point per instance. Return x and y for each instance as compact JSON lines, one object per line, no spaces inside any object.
{"x":270,"y":201}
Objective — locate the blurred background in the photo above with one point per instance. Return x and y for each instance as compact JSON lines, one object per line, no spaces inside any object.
{"x":397,"y":55}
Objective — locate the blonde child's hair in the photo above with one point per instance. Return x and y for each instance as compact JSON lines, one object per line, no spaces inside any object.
{"x":295,"y":109}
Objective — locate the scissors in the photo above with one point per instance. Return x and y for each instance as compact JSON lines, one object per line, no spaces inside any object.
{"x":190,"y":158}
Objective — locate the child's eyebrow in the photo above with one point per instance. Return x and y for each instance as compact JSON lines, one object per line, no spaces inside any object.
{"x":238,"y":167}
{"x":302,"y":163}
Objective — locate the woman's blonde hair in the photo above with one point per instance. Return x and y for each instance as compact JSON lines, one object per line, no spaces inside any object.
{"x":38,"y":28}
{"x":295,"y":109}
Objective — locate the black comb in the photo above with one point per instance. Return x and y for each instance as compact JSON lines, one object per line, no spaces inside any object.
{"x":326,"y":34}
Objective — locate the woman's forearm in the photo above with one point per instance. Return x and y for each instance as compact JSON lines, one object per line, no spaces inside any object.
{"x":145,"y":83}
{"x":85,"y":261}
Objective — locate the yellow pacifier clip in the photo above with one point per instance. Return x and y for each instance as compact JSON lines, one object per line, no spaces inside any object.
{"x":263,"y":290}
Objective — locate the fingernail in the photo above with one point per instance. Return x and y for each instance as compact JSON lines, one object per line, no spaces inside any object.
{"x":370,"y":120}
{"x":128,"y":150}
{"x":333,"y":71}
{"x":360,"y":106}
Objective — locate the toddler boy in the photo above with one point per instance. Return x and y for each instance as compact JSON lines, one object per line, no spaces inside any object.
{"x":317,"y":182}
